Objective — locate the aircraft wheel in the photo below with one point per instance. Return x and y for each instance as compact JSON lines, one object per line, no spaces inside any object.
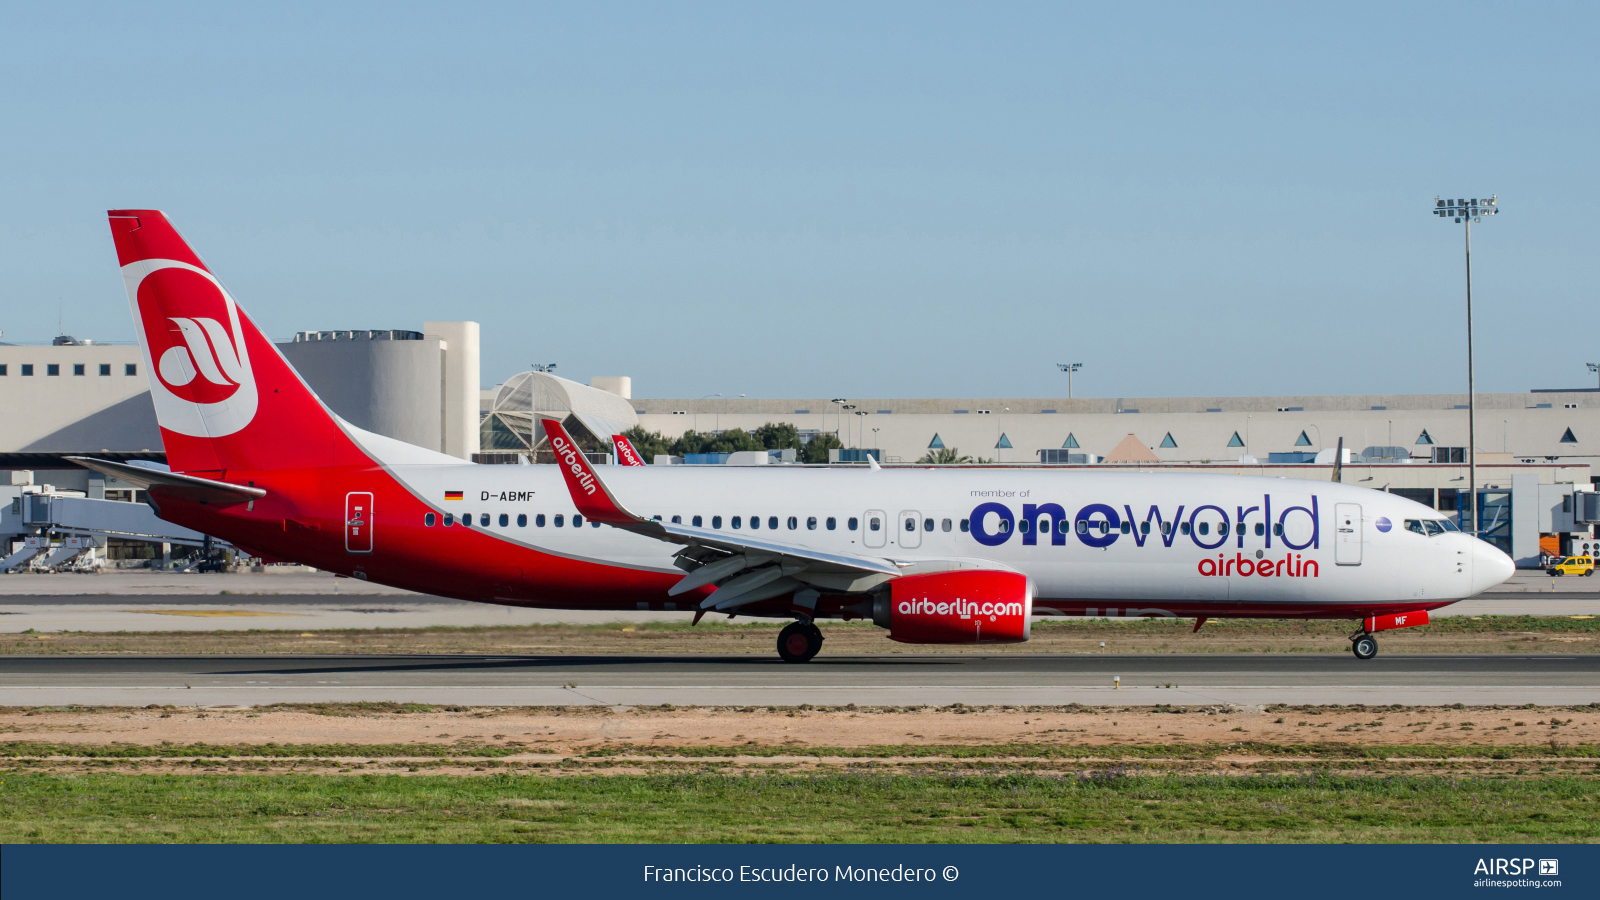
{"x":799,"y":641}
{"x":1364,"y":647}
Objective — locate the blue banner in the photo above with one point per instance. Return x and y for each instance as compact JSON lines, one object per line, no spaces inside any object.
{"x":343,"y":872}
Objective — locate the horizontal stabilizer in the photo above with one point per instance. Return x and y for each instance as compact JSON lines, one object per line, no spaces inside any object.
{"x":172,"y":484}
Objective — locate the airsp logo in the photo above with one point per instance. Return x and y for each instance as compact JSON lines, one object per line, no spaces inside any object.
{"x":201,"y":383}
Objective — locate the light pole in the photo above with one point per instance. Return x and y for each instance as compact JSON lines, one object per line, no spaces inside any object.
{"x":859,"y":414}
{"x":1595,"y":368}
{"x":697,"y":405}
{"x":1466,"y":212}
{"x":842,"y":408}
{"x":1069,"y":368}
{"x":838,"y":424}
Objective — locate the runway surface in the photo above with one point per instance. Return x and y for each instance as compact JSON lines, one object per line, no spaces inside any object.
{"x":322,"y":612}
{"x":307,"y":600}
{"x":745,"y":681}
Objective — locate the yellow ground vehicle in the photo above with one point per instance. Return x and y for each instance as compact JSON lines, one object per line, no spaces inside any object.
{"x":1573,"y":565}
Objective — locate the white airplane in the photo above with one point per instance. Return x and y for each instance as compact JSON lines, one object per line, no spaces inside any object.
{"x":934,"y":555}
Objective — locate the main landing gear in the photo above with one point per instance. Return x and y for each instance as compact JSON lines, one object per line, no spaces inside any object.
{"x":1363,"y":645}
{"x":799,"y":641}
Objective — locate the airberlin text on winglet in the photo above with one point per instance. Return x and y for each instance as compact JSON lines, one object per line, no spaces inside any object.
{"x":569,"y":456}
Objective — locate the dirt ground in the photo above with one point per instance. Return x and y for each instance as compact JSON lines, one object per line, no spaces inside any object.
{"x":572,"y":729}
{"x":1491,"y":634}
{"x":623,"y":739}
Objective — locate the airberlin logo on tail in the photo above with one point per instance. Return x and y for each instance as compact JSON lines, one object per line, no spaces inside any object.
{"x":569,"y":456}
{"x":207,"y":354}
{"x":193,"y":336}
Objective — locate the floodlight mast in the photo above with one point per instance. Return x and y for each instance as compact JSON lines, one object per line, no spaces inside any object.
{"x":1594,"y":368}
{"x":1069,"y":368}
{"x":1466,"y":212}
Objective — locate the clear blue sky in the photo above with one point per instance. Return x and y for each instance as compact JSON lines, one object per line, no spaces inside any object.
{"x":837,"y":200}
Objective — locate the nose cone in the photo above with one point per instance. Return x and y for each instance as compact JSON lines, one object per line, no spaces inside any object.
{"x":1490,"y":566}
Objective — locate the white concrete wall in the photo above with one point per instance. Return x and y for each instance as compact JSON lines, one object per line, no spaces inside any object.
{"x":621,"y":385}
{"x":460,"y":385}
{"x":75,"y":412}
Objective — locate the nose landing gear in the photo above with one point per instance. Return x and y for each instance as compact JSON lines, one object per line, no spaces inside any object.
{"x":798,"y":642}
{"x":1364,"y":645}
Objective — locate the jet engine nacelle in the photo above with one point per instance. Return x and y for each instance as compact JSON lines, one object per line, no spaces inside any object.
{"x":968,"y":606}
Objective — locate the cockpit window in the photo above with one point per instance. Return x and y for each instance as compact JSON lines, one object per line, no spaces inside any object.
{"x":1433,"y":527}
{"x":1415,"y":525}
{"x":1449,"y":525}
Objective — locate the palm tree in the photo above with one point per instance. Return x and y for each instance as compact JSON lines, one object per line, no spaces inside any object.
{"x":944,"y":456}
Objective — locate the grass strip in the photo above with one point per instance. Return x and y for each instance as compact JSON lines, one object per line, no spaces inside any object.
{"x":1101,"y":807}
{"x":1200,"y":751}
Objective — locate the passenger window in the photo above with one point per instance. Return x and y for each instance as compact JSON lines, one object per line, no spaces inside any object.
{"x":1205,"y":527}
{"x":772,"y":522}
{"x":874,"y":524}
{"x":1166,"y":528}
{"x":1127,"y":527}
{"x":832,"y":523}
{"x":466,"y":521}
{"x":944,"y":524}
{"x":1005,"y":527}
{"x":560,"y":520}
{"x":696,"y":521}
{"x":811,"y":523}
{"x":911,"y":524}
{"x":1415,"y":525}
{"x":505,"y":520}
{"x":795,"y":523}
{"x":1184,"y":528}
{"x":483,"y":520}
{"x":1083,"y":526}
{"x":1023,"y":526}
{"x":594,"y":524}
{"x":1105,"y":526}
{"x":1261,"y":529}
{"x":1144,"y":527}
{"x":577,"y":520}
{"x":449,"y":519}
{"x":851,"y":523}
{"x":927,"y":525}
{"x":755,"y":522}
{"x":966,"y":525}
{"x":1277,"y":530}
{"x":428,"y":520}
{"x":522,"y":520}
{"x":677,"y":520}
{"x":735,"y":521}
{"x":538,"y":520}
{"x":1062,"y":526}
{"x":716,"y":521}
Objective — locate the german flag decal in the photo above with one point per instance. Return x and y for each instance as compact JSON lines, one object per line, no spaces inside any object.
{"x":452,"y":495}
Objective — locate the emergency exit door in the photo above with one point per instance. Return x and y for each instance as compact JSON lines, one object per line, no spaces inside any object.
{"x":358,"y":522}
{"x":1347,"y":534}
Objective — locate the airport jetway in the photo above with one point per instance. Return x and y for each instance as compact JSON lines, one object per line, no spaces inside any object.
{"x":56,"y":529}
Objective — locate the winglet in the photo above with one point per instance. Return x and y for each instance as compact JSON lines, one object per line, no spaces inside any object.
{"x":626,"y":454}
{"x":589,"y":494}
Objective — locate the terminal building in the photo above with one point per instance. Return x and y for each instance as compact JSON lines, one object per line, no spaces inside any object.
{"x":1536,"y":451}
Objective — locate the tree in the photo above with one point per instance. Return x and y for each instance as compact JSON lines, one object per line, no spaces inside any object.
{"x":944,"y":456}
{"x":649,"y":443}
{"x":816,"y":450}
{"x":778,"y":436}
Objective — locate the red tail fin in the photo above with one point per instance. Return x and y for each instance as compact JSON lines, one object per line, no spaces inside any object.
{"x":224,"y":396}
{"x":626,"y":455}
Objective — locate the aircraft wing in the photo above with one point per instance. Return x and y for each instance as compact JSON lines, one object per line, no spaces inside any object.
{"x":186,"y":486}
{"x":627,"y":455}
{"x":745,"y":569}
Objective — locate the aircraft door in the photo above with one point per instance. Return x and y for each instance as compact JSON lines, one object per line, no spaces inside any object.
{"x":1347,"y":534}
{"x":358,"y":522}
{"x":908,"y":529}
{"x":874,"y":528}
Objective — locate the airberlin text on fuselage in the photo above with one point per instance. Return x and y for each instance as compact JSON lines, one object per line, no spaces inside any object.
{"x":569,"y":458}
{"x":1209,"y":526}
